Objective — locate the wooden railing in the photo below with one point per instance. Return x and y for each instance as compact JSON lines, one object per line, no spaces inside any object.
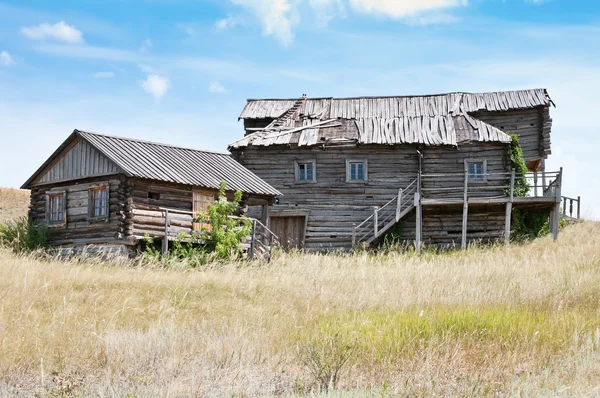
{"x":384,"y":217}
{"x":262,"y":239}
{"x":568,"y":210}
{"x":262,"y":242}
{"x":455,"y":185}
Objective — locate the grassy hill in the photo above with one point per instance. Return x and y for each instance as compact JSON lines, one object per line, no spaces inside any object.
{"x":13,"y":204}
{"x":523,"y":320}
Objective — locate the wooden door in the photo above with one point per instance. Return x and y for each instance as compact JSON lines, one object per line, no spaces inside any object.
{"x":201,"y":200}
{"x":290,"y":231}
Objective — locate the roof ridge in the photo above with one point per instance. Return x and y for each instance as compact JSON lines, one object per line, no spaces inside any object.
{"x":78,"y":131}
{"x":396,"y":96}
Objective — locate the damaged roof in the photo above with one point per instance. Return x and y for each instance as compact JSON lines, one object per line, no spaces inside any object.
{"x":443,"y":119}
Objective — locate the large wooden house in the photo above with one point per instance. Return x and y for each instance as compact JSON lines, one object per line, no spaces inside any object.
{"x":104,"y":192}
{"x":435,"y":169}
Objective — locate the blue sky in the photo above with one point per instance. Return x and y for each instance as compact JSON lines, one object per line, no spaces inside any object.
{"x":179,"y":71}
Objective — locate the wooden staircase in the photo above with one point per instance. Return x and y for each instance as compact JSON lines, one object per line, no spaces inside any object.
{"x":280,"y":121}
{"x":262,"y":242}
{"x":386,"y":216}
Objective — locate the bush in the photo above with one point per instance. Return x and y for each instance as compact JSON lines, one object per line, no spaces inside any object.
{"x":517,"y":162}
{"x":23,"y":236}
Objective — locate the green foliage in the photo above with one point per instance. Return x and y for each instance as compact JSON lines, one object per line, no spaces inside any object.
{"x":221,"y":241}
{"x":23,"y":236}
{"x":226,"y":232}
{"x":517,"y":162}
{"x":529,"y":224}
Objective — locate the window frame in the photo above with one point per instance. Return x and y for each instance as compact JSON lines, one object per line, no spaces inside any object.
{"x":484,"y":178}
{"x":297,"y":164}
{"x":63,"y":208}
{"x":92,"y":202}
{"x":349,"y":163}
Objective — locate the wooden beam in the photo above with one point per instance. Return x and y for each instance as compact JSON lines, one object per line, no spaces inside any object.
{"x":375,"y":221}
{"x":509,"y":208}
{"x":465,"y":212}
{"x":165,"y":242}
{"x":557,"y":206}
{"x":579,"y":207}
{"x":399,"y":205}
{"x":419,"y":225}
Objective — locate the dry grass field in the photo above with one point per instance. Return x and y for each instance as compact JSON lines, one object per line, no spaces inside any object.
{"x":13,"y":204}
{"x":496,"y":322}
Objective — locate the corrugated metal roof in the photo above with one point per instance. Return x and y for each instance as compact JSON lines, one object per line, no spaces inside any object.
{"x":400,"y":106}
{"x":162,"y":162}
{"x":434,"y":130}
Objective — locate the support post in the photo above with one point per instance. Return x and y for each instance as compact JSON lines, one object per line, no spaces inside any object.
{"x":251,"y":254}
{"x":399,"y":205}
{"x":543,"y":177}
{"x":578,"y":207}
{"x":565,"y":207}
{"x":419,"y":225}
{"x":375,"y":221}
{"x":465,"y":212}
{"x":509,"y":209}
{"x":535,"y":184}
{"x":165,"y":242}
{"x":354,"y":235}
{"x":558,"y":196}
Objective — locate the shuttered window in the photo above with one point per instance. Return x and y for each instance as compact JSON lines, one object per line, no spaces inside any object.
{"x":98,"y":203}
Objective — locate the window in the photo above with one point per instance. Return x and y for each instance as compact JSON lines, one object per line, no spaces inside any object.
{"x":476,"y":169}
{"x":356,"y":170}
{"x":98,"y":203}
{"x":153,"y":195}
{"x":306,"y":171}
{"x":56,"y":208}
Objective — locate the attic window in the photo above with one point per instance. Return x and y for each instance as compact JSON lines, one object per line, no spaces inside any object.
{"x":306,"y":171}
{"x":154,"y":195}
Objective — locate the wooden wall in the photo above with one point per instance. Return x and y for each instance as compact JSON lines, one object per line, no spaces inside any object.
{"x":78,"y":230}
{"x":532,"y":125}
{"x":446,"y":160}
{"x":80,"y":160}
{"x":334,"y":205}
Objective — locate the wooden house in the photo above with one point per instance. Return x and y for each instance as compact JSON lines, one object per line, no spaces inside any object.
{"x":435,"y":169}
{"x":104,"y":192}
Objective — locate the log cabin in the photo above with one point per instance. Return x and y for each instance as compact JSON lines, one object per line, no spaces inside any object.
{"x":434,"y":169}
{"x":106,"y":193}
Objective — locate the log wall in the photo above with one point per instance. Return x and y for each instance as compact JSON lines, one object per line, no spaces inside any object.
{"x":532,"y":125}
{"x":78,"y":230}
{"x":334,"y":205}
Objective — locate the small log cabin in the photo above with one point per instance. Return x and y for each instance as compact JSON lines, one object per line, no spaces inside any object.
{"x":435,"y":169}
{"x":106,"y":193}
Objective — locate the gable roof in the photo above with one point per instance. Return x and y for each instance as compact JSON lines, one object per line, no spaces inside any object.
{"x":442,"y":119}
{"x":168,"y":163}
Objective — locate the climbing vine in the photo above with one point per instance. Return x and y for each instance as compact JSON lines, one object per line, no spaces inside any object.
{"x":517,"y":162}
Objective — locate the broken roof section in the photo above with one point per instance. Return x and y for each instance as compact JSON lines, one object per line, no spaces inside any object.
{"x":442,"y":119}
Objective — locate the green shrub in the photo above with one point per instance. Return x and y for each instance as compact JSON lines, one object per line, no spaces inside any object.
{"x":226,"y":232}
{"x":23,"y":236}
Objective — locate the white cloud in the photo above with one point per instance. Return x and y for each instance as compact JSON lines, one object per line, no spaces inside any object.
{"x":403,"y":8}
{"x":156,"y":85}
{"x":278,"y":17}
{"x":59,"y":31}
{"x":146,"y":45}
{"x":227,"y":23}
{"x":274,"y":16}
{"x":103,"y":75}
{"x":6,"y":59}
{"x":217,"y":88}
